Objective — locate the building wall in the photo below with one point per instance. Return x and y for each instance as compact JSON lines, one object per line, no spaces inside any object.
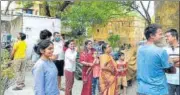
{"x":129,"y":29}
{"x":167,"y":14}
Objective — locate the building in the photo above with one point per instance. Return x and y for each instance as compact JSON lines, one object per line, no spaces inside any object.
{"x":128,"y":28}
{"x":167,"y":14}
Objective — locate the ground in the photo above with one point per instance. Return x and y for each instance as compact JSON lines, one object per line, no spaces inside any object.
{"x":28,"y":90}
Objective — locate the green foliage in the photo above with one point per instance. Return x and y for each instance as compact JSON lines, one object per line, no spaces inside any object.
{"x":25,"y":4}
{"x":6,"y":71}
{"x":114,"y":40}
{"x":86,"y":14}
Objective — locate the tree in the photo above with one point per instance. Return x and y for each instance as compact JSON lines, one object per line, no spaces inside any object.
{"x":136,"y":7}
{"x":7,"y":7}
{"x":86,"y":14}
{"x":114,"y":40}
{"x":47,"y":8}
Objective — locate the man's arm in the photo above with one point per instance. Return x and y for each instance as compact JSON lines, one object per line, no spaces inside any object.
{"x":175,"y":60}
{"x":166,"y":65}
{"x":13,"y":51}
{"x":177,"y":64}
{"x":12,"y":54}
{"x":171,"y":70}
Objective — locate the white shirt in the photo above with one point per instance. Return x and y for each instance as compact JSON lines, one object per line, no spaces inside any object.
{"x":58,"y":50}
{"x":173,"y":78}
{"x":70,"y":60}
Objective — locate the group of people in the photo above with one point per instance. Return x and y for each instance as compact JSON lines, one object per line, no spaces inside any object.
{"x":157,"y":68}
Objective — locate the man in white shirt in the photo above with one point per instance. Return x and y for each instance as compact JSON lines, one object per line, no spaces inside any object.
{"x":173,"y":52}
{"x":59,"y":56}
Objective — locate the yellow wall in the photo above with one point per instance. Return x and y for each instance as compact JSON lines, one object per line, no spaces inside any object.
{"x":129,"y":28}
{"x":167,"y":14}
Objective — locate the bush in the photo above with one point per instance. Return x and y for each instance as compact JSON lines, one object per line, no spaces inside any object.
{"x":7,"y":71}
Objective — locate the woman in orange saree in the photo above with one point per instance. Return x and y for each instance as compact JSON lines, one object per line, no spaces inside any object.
{"x":108,"y":75}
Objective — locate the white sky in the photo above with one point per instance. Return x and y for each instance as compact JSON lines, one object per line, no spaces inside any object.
{"x":151,"y":8}
{"x":4,"y":4}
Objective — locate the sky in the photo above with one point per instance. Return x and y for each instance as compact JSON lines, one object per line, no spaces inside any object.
{"x":151,"y":9}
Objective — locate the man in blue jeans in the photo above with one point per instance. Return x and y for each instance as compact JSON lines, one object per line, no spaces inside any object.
{"x":173,"y":52}
{"x":152,"y":63}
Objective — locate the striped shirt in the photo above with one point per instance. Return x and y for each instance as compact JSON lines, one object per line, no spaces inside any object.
{"x":173,"y":78}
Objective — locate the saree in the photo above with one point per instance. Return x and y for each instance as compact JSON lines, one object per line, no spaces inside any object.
{"x":108,"y":81}
{"x":87,"y":73}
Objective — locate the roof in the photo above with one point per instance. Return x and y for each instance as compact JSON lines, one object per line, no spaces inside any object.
{"x":8,"y":17}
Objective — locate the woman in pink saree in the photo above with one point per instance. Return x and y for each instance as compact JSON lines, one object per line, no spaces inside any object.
{"x":86,"y":58}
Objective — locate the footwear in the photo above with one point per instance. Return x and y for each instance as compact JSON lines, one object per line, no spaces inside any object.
{"x":62,"y":89}
{"x":17,"y":88}
{"x":22,"y":85}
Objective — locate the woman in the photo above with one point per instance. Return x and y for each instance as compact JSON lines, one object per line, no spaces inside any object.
{"x":70,"y":66}
{"x":44,"y":71}
{"x":108,"y":75}
{"x":86,"y":58}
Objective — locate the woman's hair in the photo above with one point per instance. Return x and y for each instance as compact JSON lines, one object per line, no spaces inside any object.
{"x":67,"y":43}
{"x":85,"y":45}
{"x":42,"y":46}
{"x":104,"y":46}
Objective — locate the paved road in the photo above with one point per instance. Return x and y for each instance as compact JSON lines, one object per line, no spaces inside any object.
{"x":28,"y":90}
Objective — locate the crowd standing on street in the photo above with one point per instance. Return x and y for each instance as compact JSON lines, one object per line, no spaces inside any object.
{"x":156,"y":69}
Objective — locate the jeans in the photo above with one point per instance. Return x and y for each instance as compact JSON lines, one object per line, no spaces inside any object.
{"x":174,"y":89}
{"x":141,"y":94}
{"x":95,"y":85}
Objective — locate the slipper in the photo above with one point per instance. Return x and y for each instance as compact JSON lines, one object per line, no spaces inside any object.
{"x":62,"y":89}
{"x":17,"y":88}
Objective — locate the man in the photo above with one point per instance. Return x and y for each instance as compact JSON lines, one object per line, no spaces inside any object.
{"x":130,"y":57}
{"x":59,"y":56}
{"x":173,"y":52}
{"x":152,"y":63}
{"x":44,"y":35}
{"x":18,"y":55}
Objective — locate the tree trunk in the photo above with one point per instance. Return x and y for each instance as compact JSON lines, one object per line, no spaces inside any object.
{"x":7,"y":7}
{"x":47,"y":9}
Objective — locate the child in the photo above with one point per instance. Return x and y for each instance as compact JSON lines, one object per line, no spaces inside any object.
{"x":122,"y":69}
{"x":96,"y":71}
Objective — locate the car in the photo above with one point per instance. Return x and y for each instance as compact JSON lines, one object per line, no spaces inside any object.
{"x":78,"y":72}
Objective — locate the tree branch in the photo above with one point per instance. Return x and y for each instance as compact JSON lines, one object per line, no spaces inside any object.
{"x":148,"y":5}
{"x":146,"y":12}
{"x":7,"y":8}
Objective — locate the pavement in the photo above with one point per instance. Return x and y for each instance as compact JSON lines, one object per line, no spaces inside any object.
{"x":28,"y":90}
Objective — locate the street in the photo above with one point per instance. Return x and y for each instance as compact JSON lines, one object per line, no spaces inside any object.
{"x":28,"y":90}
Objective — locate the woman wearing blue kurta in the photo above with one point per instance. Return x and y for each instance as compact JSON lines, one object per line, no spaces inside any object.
{"x":44,"y":71}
